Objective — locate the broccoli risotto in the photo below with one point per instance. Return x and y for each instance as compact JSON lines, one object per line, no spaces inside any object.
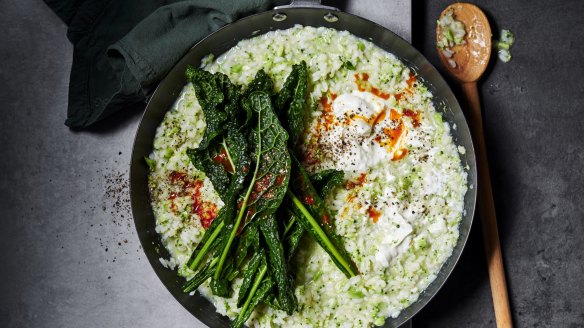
{"x":397,"y":210}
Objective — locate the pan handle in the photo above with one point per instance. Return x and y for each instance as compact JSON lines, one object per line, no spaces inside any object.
{"x":306,"y":4}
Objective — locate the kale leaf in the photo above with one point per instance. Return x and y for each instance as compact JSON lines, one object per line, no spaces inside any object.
{"x":290,"y":102}
{"x":268,"y":184}
{"x":277,"y":264}
{"x":326,"y":180}
{"x":261,"y":82}
{"x":316,"y":219}
{"x":209,"y":95}
{"x":237,"y":149}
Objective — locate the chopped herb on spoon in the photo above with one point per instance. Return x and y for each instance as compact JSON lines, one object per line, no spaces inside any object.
{"x":452,"y":35}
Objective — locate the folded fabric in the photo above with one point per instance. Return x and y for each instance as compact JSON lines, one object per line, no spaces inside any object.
{"x":123,"y":48}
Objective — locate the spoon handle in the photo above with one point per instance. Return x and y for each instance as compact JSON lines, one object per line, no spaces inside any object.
{"x":487,"y":210}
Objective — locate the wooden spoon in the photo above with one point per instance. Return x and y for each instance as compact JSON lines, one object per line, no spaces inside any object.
{"x":471,"y":61}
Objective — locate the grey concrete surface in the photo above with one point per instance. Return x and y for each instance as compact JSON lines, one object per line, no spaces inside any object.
{"x":70,"y":256}
{"x":534,"y":120}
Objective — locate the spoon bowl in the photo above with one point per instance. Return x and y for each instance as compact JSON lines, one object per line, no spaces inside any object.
{"x":471,"y":58}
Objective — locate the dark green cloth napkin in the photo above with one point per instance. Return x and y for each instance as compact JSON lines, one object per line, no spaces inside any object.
{"x":122,"y":48}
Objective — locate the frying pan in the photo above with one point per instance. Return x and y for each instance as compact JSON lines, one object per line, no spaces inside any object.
{"x":308,"y":13}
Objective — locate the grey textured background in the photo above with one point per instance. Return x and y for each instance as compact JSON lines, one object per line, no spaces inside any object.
{"x":69,"y":253}
{"x":534,"y":123}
